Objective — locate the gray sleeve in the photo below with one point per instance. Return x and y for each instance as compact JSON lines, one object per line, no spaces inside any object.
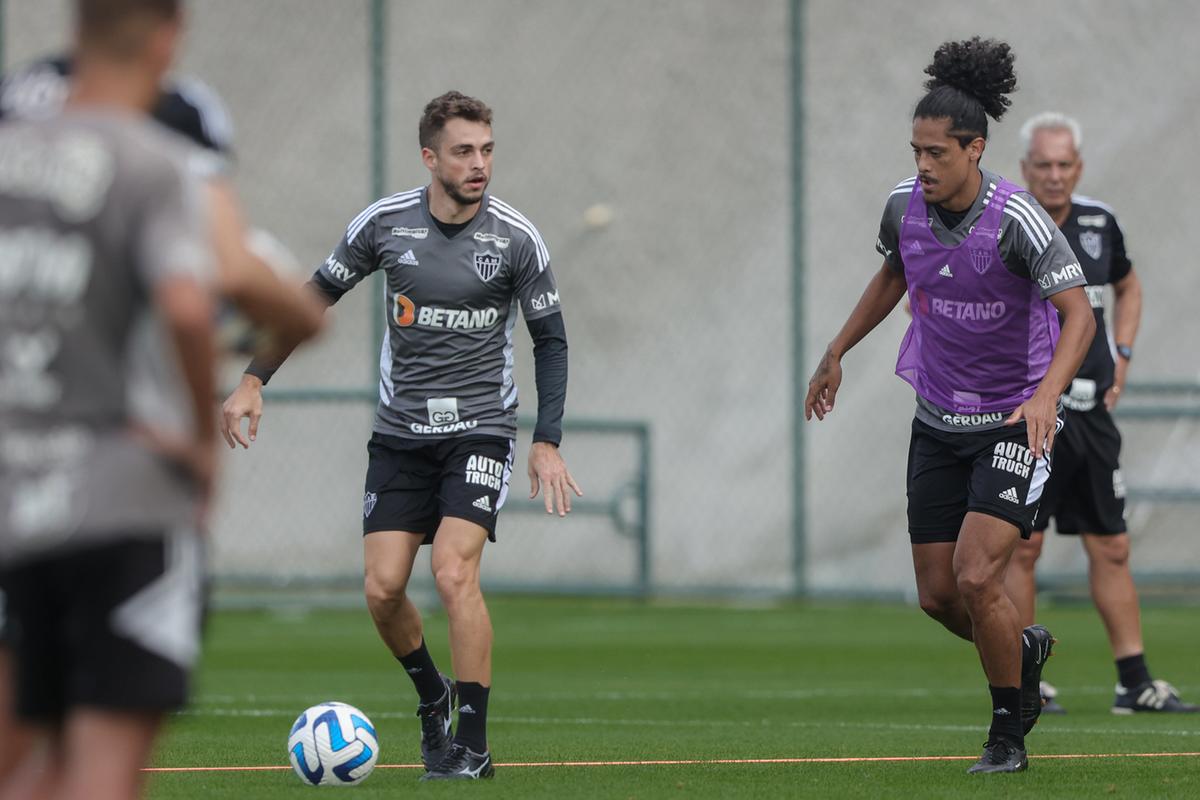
{"x":174,"y":237}
{"x":1032,"y":246}
{"x":354,"y":256}
{"x":533,"y":281}
{"x":887,"y":243}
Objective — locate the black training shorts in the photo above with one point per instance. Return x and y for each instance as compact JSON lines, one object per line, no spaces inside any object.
{"x":412,"y":484}
{"x":113,"y":625}
{"x":991,"y":472}
{"x":1086,"y":493}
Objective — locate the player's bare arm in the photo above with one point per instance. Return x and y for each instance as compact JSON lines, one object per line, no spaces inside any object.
{"x":877,"y":301}
{"x":287,"y":314}
{"x":245,"y":401}
{"x":188,"y":313}
{"x":1127,"y":316}
{"x":548,"y":472}
{"x":1040,"y":412}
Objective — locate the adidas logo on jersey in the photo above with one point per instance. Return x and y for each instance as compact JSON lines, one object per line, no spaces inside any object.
{"x":408,"y":259}
{"x":483,"y":505}
{"x":1010,"y":494}
{"x":945,"y":272}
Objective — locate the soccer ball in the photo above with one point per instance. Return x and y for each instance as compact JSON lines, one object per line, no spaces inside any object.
{"x":333,"y":744}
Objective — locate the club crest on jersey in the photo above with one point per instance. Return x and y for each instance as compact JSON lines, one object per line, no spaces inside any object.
{"x":980,"y":259}
{"x":369,"y":500}
{"x":1092,"y":244}
{"x":487,"y":264}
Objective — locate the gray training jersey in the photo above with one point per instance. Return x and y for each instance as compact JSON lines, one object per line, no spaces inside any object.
{"x":95,"y":209}
{"x":1030,"y":244}
{"x":446,"y":361}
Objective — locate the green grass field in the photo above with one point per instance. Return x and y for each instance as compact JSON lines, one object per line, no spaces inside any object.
{"x":607,"y":680}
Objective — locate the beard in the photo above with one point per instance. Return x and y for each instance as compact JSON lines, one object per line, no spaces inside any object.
{"x":458,"y":195}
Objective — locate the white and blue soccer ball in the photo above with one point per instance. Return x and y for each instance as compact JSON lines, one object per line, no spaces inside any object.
{"x":333,"y":744}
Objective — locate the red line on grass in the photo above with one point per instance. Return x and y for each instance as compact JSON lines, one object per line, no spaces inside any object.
{"x":703,"y":761}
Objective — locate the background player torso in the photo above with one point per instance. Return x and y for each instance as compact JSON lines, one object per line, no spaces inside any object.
{"x":446,"y":361}
{"x":1099,"y":243}
{"x":1030,"y":245}
{"x":188,"y":107}
{"x":94,"y":209}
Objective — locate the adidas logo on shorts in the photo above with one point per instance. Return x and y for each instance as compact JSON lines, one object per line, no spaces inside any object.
{"x":1010,"y":495}
{"x":483,"y":505}
{"x":408,"y":259}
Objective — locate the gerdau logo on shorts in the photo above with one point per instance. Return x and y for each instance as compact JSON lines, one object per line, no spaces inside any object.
{"x":1012,"y":457}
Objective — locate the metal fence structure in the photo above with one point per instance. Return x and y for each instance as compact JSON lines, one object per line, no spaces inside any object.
{"x":709,"y":177}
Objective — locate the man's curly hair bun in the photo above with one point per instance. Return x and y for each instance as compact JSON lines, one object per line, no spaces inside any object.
{"x":981,"y":68}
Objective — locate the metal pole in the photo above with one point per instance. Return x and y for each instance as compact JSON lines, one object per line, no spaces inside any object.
{"x":3,"y":16}
{"x":799,"y":382}
{"x":644,"y":565}
{"x":378,"y":81}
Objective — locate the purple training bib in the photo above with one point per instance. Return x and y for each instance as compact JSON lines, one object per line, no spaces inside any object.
{"x":981,"y":338}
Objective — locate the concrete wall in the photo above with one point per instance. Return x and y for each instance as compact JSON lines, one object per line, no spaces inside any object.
{"x":675,"y":114}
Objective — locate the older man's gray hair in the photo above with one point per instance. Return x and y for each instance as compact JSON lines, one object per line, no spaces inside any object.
{"x":1050,"y":121}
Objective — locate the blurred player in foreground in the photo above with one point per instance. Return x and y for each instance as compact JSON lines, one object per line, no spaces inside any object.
{"x":1086,"y":493}
{"x":458,"y":262}
{"x":984,"y":270}
{"x":158,"y":397}
{"x":101,"y":222}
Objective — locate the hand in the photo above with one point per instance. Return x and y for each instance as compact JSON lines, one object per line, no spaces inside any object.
{"x":245,"y":401}
{"x":197,"y":456}
{"x":547,"y":467}
{"x":1041,"y":422}
{"x":823,"y":387}
{"x":1112,"y":396}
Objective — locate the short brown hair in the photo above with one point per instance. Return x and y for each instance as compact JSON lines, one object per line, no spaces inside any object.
{"x":117,"y":26}
{"x":439,"y":110}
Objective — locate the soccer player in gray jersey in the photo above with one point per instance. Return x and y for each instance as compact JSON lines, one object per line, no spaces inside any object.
{"x":101,"y":223}
{"x":458,"y":263}
{"x":1086,"y":493}
{"x":250,"y":290}
{"x":984,"y":270}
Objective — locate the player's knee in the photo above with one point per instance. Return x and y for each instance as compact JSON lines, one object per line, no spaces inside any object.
{"x":1027,"y":553}
{"x":1112,"y":550}
{"x":939,"y":605}
{"x":455,"y":578}
{"x":383,"y":589}
{"x":974,"y":583}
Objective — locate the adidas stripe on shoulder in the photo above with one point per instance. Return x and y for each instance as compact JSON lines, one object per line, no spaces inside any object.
{"x":904,"y":187}
{"x":393,"y":203}
{"x":1083,"y":200}
{"x":1034,"y":227}
{"x":509,"y":215}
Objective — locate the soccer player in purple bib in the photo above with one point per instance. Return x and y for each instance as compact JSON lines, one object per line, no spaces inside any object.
{"x":987,"y":275}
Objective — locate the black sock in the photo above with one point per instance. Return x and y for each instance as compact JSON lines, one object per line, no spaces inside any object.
{"x":1006,"y":715}
{"x":419,"y":666}
{"x":472,"y":716}
{"x":1132,"y":671}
